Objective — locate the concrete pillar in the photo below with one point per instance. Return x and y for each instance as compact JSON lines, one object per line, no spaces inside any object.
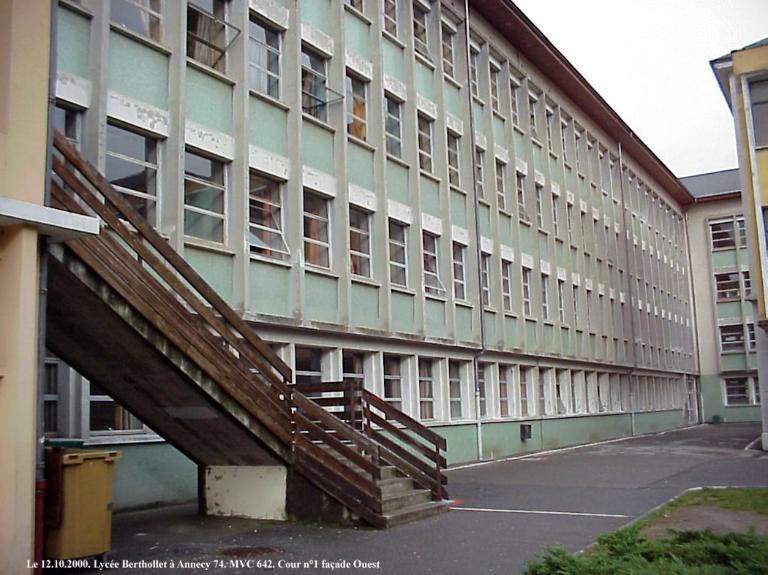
{"x":256,"y":492}
{"x":761,"y":333}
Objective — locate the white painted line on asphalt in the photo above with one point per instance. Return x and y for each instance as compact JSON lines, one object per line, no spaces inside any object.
{"x":531,"y":512}
{"x":752,"y":443}
{"x":564,"y":449}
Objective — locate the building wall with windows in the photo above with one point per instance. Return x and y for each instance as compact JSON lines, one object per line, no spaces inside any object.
{"x":384,"y":201}
{"x":726,"y":306}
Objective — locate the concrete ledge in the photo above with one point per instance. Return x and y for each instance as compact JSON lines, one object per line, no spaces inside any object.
{"x":255,"y":492}
{"x":60,"y":225}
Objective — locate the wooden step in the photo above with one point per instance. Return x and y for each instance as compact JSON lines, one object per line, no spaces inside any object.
{"x":415,"y":513}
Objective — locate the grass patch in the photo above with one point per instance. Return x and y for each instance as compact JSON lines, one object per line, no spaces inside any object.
{"x":626,"y":552}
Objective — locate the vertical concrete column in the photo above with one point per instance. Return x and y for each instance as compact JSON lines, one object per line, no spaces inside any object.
{"x":761,"y":333}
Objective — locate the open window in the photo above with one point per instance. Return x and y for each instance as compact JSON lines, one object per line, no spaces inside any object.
{"x":209,"y":35}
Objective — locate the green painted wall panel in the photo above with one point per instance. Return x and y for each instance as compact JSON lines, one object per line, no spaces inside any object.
{"x":403,"y":310}
{"x":216,"y":268}
{"x":733,"y":361}
{"x":484,"y":215}
{"x":147,"y":82}
{"x":425,"y":81}
{"x":267,"y":126}
{"x":530,"y":335}
{"x":320,"y":298}
{"x":490,"y":328}
{"x":357,"y":35}
{"x":562,"y":432}
{"x":550,"y":343}
{"x":72,"y":42}
{"x":654,"y":421}
{"x":317,"y":147}
{"x":459,"y":209}
{"x":430,"y":196}
{"x":730,"y":309}
{"x":397,"y":182}
{"x":208,"y":101}
{"x":539,"y":159}
{"x":435,"y":318}
{"x":519,"y":141}
{"x":393,"y":59}
{"x":544,"y":247}
{"x":510,"y":331}
{"x":712,"y":403}
{"x":462,"y":442}
{"x":359,"y":166}
{"x":526,"y":243}
{"x":500,"y":132}
{"x":452,"y":99}
{"x":464,"y":331}
{"x":365,"y":305}
{"x":505,"y":229}
{"x":152,"y":473}
{"x":269,"y":288}
{"x":317,"y":13}
{"x":724,"y":258}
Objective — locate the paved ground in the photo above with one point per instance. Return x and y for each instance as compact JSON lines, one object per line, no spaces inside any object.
{"x":518,"y":508}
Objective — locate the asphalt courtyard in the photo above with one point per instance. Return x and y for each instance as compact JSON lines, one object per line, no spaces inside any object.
{"x":504,"y":514}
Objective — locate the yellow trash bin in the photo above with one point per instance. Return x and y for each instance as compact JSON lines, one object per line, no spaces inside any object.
{"x":78,"y":502}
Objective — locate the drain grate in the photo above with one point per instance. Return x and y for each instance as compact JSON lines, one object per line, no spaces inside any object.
{"x":249,"y":551}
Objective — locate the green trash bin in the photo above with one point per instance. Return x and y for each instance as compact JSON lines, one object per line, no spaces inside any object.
{"x":78,"y":502}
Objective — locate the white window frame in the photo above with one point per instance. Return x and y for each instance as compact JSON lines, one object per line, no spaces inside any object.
{"x":310,"y":242}
{"x":221,"y":186}
{"x":393,"y":126}
{"x":403,"y":245}
{"x":360,"y":251}
{"x":274,"y":208}
{"x":260,"y":70}
{"x":459,"y":271}
{"x":425,"y":129}
{"x":525,"y":280}
{"x":431,"y":256}
{"x":357,"y":125}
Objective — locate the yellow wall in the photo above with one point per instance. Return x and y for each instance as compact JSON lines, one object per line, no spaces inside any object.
{"x":24,"y":53}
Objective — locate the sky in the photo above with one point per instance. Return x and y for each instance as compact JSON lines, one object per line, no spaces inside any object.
{"x":649,"y":59}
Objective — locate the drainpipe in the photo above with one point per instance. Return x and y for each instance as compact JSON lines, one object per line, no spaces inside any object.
{"x":631,"y":281}
{"x":42,"y":302}
{"x":483,"y":346}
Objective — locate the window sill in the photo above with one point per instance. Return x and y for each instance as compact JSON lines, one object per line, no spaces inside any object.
{"x":536,"y":142}
{"x":122,"y":439}
{"x":192,"y":63}
{"x":518,"y":129}
{"x":499,"y":115}
{"x":567,"y":165}
{"x":392,"y":38}
{"x":531,"y":319}
{"x":527,"y":223}
{"x":429,"y":176}
{"x":357,"y":14}
{"x":362,"y":280}
{"x":402,"y":289}
{"x":559,"y":240}
{"x":452,"y":81}
{"x":506,"y":212}
{"x":317,"y":270}
{"x":148,"y":42}
{"x":548,"y":322}
{"x":484,"y":201}
{"x":463,"y":303}
{"x":510,"y":314}
{"x":553,"y":155}
{"x":268,"y":99}
{"x":424,"y":60}
{"x":398,"y":161}
{"x":490,"y":309}
{"x":268,"y":260}
{"x":543,"y":231}
{"x":362,"y":143}
{"x":317,"y":122}
{"x":76,"y":8}
{"x":208,"y":246}
{"x":437,"y":297}
{"x":457,"y":189}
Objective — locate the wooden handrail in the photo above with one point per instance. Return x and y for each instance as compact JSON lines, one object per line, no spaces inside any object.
{"x":405,"y":420}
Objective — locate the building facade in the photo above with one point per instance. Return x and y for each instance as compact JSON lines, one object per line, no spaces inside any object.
{"x":743,"y":78}
{"x":454,"y":217}
{"x":726,"y":306}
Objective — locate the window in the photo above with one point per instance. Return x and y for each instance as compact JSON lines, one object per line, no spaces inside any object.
{"x":564,"y":139}
{"x":542,"y":387}
{"x":143,"y":17}
{"x":723,"y":235}
{"x":555,"y":215}
{"x":317,"y":245}
{"x":737,"y":391}
{"x":503,"y":391}
{"x":506,"y":285}
{"x":569,"y":223}
{"x":392,"y":127}
{"x":426,"y":390}
{"x":514,"y":90}
{"x":353,"y":371}
{"x":432,"y":284}
{"x":420,"y":43}
{"x":207,"y":32}
{"x":314,"y":82}
{"x":525,"y":374}
{"x":453,"y":159}
{"x":425,"y":143}
{"x":495,"y":74}
{"x":265,"y":218}
{"x":454,"y":389}
{"x":447,"y":48}
{"x":520,"y":187}
{"x":561,"y":300}
{"x":526,"y":280}
{"x":51,"y":397}
{"x":590,"y":310}
{"x":459,"y":280}
{"x":474,"y":83}
{"x":485,"y":287}
{"x":390,"y":17}
{"x":482,"y":368}
{"x":479,"y":173}
{"x":539,"y":205}
{"x":501,"y":193}
{"x":359,"y":242}
{"x":550,"y":119}
{"x":356,"y":108}
{"x":742,"y":232}
{"x":732,"y":338}
{"x":759,"y":98}
{"x":575,"y":304}
{"x":398,"y":267}
{"x":747,"y":283}
{"x":751,"y":340}
{"x":561,"y":407}
{"x":356,"y":4}
{"x":204,"y":197}
{"x":106,"y":415}
{"x":132,"y":168}
{"x":263,"y":58}
{"x":545,"y":296}
{"x":532,"y":103}
{"x":578,"y":137}
{"x":393,"y":384}
{"x":727,"y":285}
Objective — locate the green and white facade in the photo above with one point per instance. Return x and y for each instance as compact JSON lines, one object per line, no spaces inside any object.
{"x":726,"y":307}
{"x":459,"y":220}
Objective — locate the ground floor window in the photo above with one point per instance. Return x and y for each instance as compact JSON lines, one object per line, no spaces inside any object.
{"x":741,"y":390}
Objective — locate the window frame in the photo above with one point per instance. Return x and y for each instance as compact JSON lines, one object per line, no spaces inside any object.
{"x":394,"y":140}
{"x":525,"y":280}
{"x":312,"y":74}
{"x":459,"y":271}
{"x":354,"y":121}
{"x":222,"y":186}
{"x":254,"y":20}
{"x":275,"y":210}
{"x":425,"y":128}
{"x":154,"y":31}
{"x":454,"y":158}
{"x":310,"y":243}
{"x":426,"y":388}
{"x":421,"y":28}
{"x":362,"y":255}
{"x":398,"y":244}
{"x":431,"y":257}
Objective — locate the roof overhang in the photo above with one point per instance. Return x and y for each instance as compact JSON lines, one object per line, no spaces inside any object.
{"x":534,"y":45}
{"x":59,"y":225}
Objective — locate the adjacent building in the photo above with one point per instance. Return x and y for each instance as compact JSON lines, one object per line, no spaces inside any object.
{"x":743,"y":78}
{"x":726,"y":305}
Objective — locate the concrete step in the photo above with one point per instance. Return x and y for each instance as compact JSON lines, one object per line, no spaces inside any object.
{"x":396,"y":501}
{"x":415,"y":513}
{"x":395,"y":485}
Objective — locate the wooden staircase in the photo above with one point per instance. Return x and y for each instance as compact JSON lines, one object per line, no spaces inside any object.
{"x":128,"y":312}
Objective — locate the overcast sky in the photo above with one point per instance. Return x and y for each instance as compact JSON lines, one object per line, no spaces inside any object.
{"x":649,"y":59}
